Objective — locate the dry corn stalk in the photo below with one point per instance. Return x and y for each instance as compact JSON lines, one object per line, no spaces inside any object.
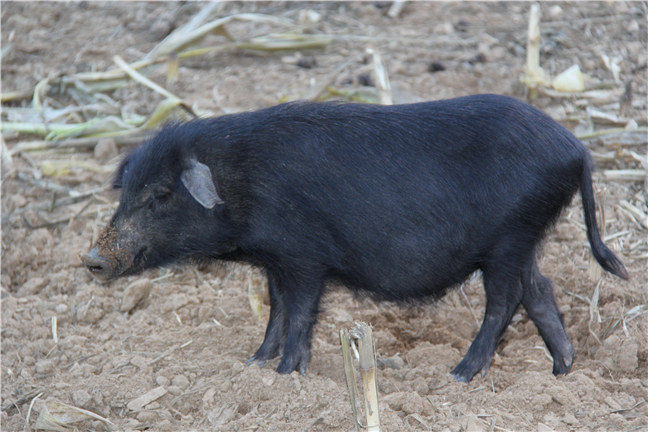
{"x":360,"y":339}
{"x":57,"y":416}
{"x":533,"y":75}
{"x":382,"y":79}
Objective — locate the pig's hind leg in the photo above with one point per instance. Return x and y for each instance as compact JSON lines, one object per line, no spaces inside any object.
{"x":503,"y":295}
{"x":539,"y":302}
{"x":275,"y":335}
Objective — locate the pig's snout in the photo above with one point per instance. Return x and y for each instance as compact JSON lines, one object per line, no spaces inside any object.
{"x":98,"y":265}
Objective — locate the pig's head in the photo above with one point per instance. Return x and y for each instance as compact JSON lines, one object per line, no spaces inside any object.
{"x":169,"y":209}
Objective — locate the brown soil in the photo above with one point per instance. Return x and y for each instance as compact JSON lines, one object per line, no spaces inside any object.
{"x":200,"y":318}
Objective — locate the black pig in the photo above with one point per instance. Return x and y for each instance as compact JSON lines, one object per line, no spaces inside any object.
{"x":401,"y":201}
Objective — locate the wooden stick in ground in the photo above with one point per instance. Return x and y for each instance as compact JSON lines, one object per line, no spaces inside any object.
{"x":364,"y":339}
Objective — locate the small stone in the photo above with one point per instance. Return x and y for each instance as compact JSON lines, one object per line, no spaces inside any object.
{"x":41,"y":238}
{"x":473,"y":424}
{"x":174,"y":390}
{"x":570,"y":419}
{"x":134,"y":294}
{"x":307,"y":62}
{"x":44,"y":366}
{"x":365,"y":79}
{"x":146,"y":416}
{"x":105,"y":149}
{"x":208,"y":397}
{"x":91,"y":315}
{"x":18,"y":201}
{"x":477,"y":58}
{"x":98,"y":399}
{"x":393,"y":362}
{"x":544,"y":428}
{"x":542,"y":400}
{"x":436,"y":66}
{"x":81,"y":398}
{"x":161,"y":380}
{"x":139,"y":361}
{"x":619,"y":355}
{"x":309,"y":16}
{"x":140,"y":402}
{"x":222,"y":415}
{"x":32,"y":286}
{"x":175,"y":302}
{"x":62,"y":308}
{"x":268,"y":380}
{"x":180,"y":381}
{"x":555,"y":11}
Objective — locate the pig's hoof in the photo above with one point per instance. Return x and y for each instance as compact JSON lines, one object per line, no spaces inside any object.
{"x":253,"y":360}
{"x":468,"y":368}
{"x":290,"y":363}
{"x":262,"y":356}
{"x":563,"y":360}
{"x":267,"y":351}
{"x":562,"y":365}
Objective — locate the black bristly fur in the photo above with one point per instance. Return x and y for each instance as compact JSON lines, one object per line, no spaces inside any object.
{"x":400,"y":201}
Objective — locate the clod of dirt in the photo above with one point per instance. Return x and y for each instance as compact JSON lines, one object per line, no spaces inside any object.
{"x":146,"y":416}
{"x":436,"y":66}
{"x":222,"y":415}
{"x":175,"y":302}
{"x":544,"y":428}
{"x":161,"y":380}
{"x":90,"y":315}
{"x":472,"y":423}
{"x":409,"y":403}
{"x":134,"y":294}
{"x":32,"y":286}
{"x":105,"y":149}
{"x":81,"y":398}
{"x":180,"y":381}
{"x":307,"y":62}
{"x":174,"y":390}
{"x":619,"y":355}
{"x":394,"y":362}
{"x":140,"y":402}
{"x":44,"y":366}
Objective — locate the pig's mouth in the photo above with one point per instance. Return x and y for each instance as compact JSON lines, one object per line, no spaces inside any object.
{"x":138,"y":260}
{"x":108,"y":269}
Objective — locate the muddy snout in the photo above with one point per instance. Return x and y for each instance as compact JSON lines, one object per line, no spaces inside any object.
{"x":99,"y":265}
{"x":110,"y":256}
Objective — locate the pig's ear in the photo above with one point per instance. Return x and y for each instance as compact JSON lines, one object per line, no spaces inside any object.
{"x":118,"y":180}
{"x":197,"y":178}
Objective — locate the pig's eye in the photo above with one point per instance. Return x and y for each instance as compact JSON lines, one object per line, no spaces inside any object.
{"x":159,"y":198}
{"x":162,"y":195}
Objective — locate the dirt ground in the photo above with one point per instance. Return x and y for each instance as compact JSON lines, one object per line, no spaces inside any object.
{"x":194,"y":330}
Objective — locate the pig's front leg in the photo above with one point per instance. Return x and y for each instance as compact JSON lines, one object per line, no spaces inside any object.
{"x":275,"y":335}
